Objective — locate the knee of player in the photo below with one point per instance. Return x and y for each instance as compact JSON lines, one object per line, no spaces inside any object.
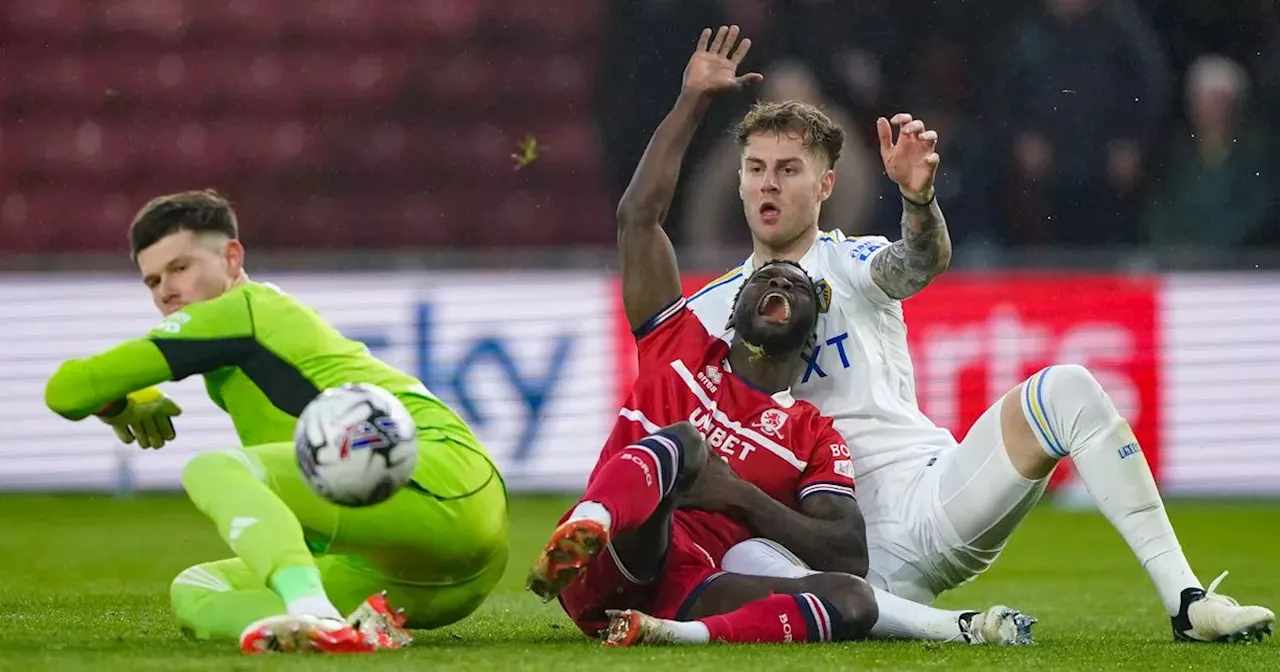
{"x":1075,"y":377}
{"x":693,"y":451}
{"x":210,"y":465}
{"x":851,"y":597}
{"x":198,"y":468}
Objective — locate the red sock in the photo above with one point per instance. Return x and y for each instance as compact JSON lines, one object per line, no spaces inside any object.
{"x":633,"y":482}
{"x":801,"y":617}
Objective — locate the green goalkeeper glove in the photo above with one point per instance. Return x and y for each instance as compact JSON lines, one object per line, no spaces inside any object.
{"x":143,"y":415}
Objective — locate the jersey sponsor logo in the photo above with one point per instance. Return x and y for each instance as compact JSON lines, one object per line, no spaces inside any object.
{"x":488,"y":351}
{"x":771,"y":422}
{"x":173,"y":323}
{"x":843,"y":468}
{"x":711,"y":377}
{"x":757,"y":438}
{"x":816,"y":365}
{"x":840,"y":451}
{"x":648,"y":473}
{"x":720,"y":437}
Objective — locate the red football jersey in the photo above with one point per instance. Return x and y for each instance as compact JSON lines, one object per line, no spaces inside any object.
{"x":782,"y":445}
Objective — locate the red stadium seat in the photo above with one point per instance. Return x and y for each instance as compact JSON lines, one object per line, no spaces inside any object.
{"x":451,"y":21}
{"x":567,"y":22}
{"x":101,"y":220}
{"x":189,"y":150}
{"x":342,"y":20}
{"x":262,"y":21}
{"x":53,"y":22}
{"x":334,"y":123}
{"x":31,"y":220}
{"x":23,"y":216}
{"x":158,"y":21}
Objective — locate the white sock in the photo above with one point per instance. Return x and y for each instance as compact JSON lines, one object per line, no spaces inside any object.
{"x":901,"y":618}
{"x":591,"y":511}
{"x":1071,"y":414}
{"x":688,"y":632}
{"x":314,"y":605}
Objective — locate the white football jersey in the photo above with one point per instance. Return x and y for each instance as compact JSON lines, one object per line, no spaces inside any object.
{"x":860,"y":372}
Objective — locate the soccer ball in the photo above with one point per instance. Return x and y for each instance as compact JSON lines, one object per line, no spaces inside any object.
{"x":356,"y":444}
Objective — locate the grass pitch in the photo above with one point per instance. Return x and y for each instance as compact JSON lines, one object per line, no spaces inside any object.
{"x":84,"y":586}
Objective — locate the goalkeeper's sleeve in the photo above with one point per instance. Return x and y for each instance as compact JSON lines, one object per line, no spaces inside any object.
{"x":83,"y":387}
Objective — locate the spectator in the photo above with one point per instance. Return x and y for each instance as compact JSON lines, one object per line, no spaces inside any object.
{"x":1087,"y":86}
{"x":1216,"y":189}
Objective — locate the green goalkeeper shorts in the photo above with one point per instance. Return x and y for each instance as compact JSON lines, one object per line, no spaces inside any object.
{"x":438,"y":554}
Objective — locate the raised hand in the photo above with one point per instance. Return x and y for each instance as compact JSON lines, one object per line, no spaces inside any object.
{"x":911,"y":162}
{"x":713,"y":67}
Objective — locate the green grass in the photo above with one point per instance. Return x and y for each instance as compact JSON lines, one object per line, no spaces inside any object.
{"x":84,"y":580}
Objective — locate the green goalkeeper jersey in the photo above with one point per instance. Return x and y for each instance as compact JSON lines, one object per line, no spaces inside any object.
{"x":264,"y":356}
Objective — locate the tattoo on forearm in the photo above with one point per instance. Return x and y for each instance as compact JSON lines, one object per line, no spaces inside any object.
{"x":924,"y":251}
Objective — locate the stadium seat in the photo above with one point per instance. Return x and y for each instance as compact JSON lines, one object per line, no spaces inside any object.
{"x":134,"y":21}
{"x":341,"y":122}
{"x":44,"y":22}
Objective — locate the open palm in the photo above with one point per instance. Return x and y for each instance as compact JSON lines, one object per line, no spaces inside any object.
{"x":713,"y":67}
{"x":911,"y":161}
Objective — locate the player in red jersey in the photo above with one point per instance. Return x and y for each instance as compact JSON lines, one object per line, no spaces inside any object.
{"x":710,"y":426}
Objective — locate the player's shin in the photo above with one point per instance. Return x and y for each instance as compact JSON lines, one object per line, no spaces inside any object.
{"x":1071,"y":415}
{"x":228,"y":488}
{"x":628,"y":488}
{"x":779,"y":618}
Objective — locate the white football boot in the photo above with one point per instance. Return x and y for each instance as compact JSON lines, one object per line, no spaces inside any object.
{"x":997,"y":625}
{"x":1206,"y":616}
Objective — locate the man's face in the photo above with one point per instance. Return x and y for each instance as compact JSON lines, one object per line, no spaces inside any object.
{"x":782,"y":187}
{"x":776,"y":309}
{"x":184,"y":268}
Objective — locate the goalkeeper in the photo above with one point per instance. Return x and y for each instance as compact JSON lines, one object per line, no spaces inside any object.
{"x":437,"y":547}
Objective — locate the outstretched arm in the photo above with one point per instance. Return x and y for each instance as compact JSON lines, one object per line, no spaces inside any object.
{"x":201,"y":337}
{"x":650,"y":275}
{"x":924,"y":252}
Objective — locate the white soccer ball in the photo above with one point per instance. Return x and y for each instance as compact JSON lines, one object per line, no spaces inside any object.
{"x":356,"y":444}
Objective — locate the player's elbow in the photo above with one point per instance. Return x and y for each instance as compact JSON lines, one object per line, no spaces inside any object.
{"x":65,"y":393}
{"x":848,"y":554}
{"x":943,"y":262}
{"x":635,"y":212}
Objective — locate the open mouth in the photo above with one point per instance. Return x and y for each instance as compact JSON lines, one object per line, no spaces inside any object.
{"x":775,"y":306}
{"x":769,"y":211}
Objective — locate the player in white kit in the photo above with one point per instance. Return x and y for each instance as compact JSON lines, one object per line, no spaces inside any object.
{"x":938,"y":511}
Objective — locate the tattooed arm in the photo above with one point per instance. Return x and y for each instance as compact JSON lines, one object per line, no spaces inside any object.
{"x":924,"y":251}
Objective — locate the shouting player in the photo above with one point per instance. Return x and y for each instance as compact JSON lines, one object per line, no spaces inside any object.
{"x":437,"y":547}
{"x":938,"y":512}
{"x":651,"y":572}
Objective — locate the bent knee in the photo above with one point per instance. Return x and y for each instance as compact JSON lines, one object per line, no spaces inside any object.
{"x":693,"y":453}
{"x":851,"y":596}
{"x":211,"y":464}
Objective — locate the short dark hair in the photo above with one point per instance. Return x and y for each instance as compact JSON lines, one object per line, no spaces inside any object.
{"x":816,"y":130}
{"x":204,"y":211}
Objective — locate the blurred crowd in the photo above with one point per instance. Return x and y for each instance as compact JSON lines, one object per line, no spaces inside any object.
{"x":1063,"y":123}
{"x":483,"y":124}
